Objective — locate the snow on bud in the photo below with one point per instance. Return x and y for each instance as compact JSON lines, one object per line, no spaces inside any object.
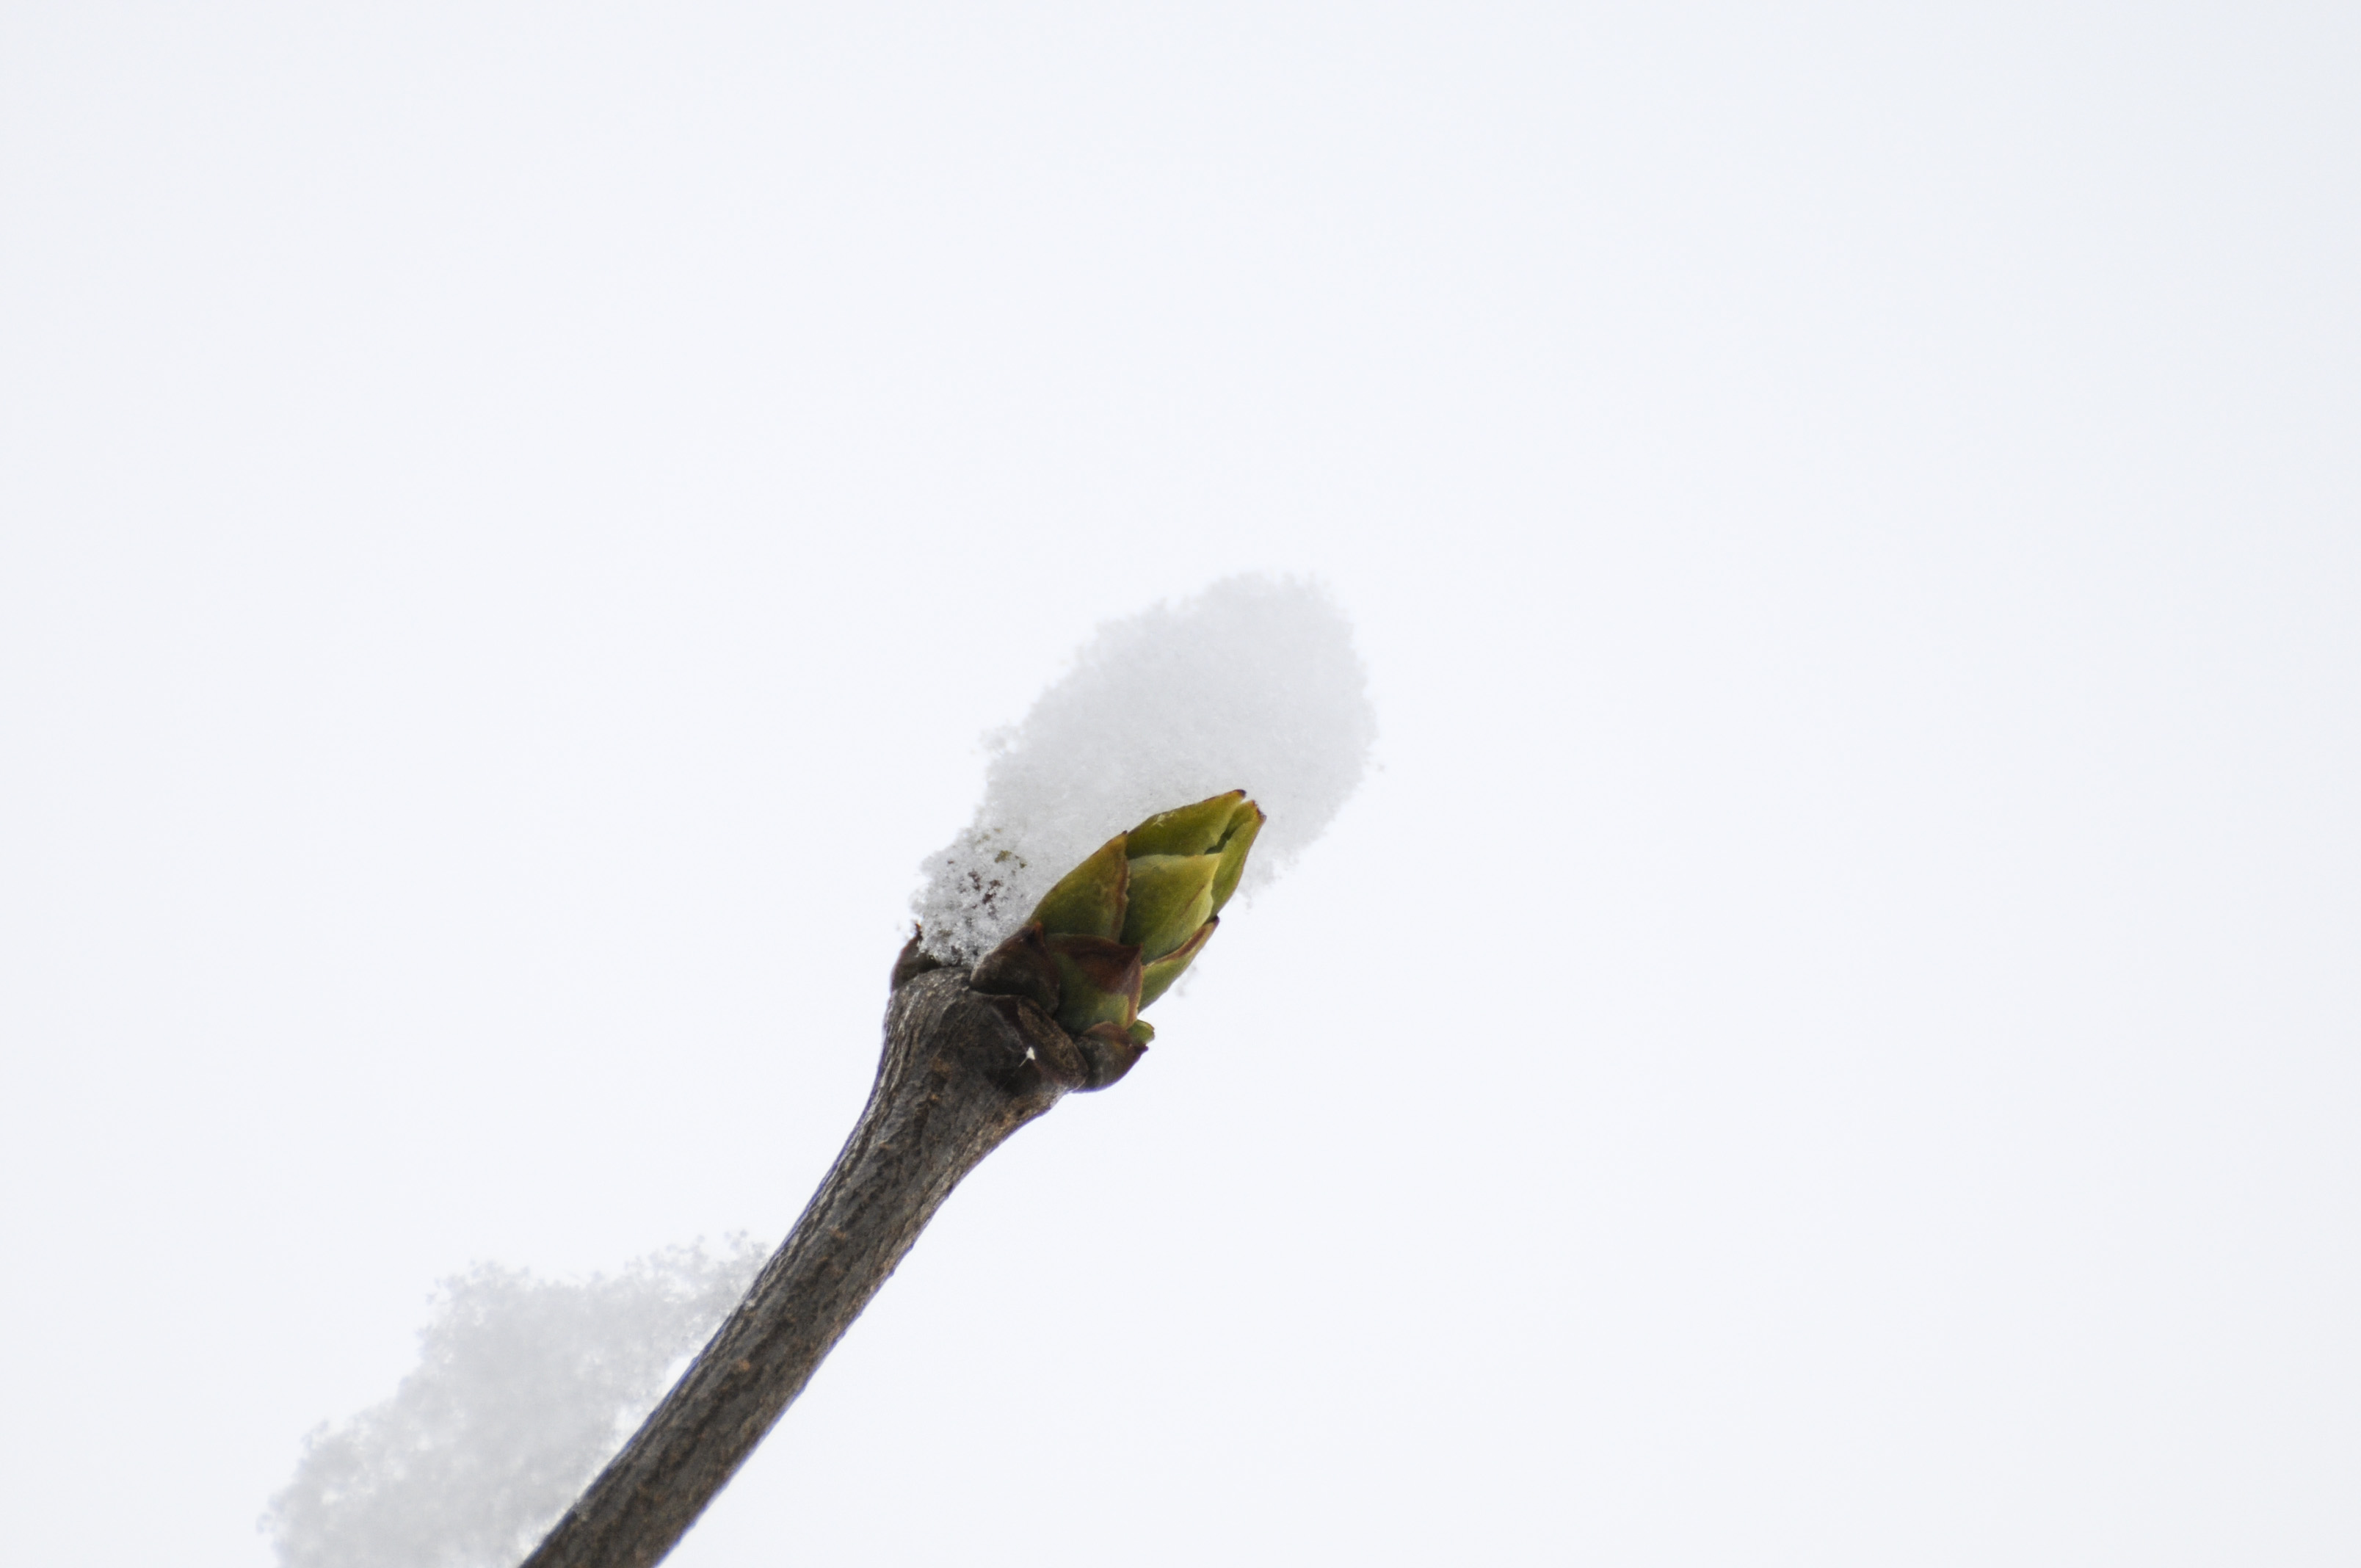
{"x":1252,"y":681}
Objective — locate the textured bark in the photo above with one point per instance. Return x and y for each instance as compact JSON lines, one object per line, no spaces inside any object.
{"x":962,"y":1069}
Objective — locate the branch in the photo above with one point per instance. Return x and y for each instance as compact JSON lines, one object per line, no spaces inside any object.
{"x":963,"y":1068}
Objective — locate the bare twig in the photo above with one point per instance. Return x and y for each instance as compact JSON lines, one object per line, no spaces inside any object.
{"x":963,"y":1068}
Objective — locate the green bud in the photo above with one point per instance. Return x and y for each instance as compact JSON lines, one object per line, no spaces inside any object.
{"x":1088,"y":901}
{"x":1171,"y":895}
{"x":1156,"y":979}
{"x":1099,"y":980}
{"x":1119,"y":928}
{"x":1238,"y":838}
{"x":1191,"y":830}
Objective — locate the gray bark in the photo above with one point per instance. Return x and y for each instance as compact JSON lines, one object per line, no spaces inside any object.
{"x":963,"y":1068}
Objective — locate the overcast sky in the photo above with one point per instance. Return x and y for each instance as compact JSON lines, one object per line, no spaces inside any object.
{"x":1829,"y":1036}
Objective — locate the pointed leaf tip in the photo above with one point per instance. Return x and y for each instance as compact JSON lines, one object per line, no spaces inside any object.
{"x":1089,"y":900}
{"x":1234,"y":849}
{"x":1187,"y":830}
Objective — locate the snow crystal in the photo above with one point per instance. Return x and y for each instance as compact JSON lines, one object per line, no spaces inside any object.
{"x":524,"y":1388}
{"x":1252,"y":684}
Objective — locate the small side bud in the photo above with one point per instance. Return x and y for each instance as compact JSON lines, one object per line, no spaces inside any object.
{"x":1098,"y":982}
{"x":1111,"y":1051}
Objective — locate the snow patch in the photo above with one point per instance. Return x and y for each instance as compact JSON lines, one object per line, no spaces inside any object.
{"x":524,"y":1388}
{"x":1253,"y":684}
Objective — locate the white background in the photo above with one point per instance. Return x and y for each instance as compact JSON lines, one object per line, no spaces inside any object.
{"x":1832,"y":1038}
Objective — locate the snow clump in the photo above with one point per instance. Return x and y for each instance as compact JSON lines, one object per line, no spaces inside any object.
{"x":524,"y":1388}
{"x":1252,"y":684}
